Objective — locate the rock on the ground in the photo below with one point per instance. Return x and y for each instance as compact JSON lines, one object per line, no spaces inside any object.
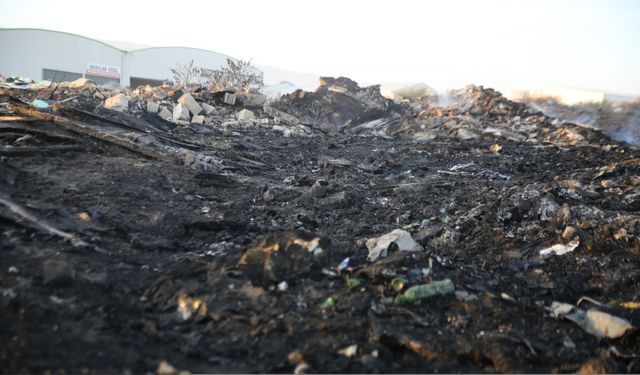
{"x":165,"y":114}
{"x":198,"y":119}
{"x":246,"y":115}
{"x":118,"y":102}
{"x":188,"y":101}
{"x":229,"y":99}
{"x":208,"y":109}
{"x":152,"y":107}
{"x":180,"y":112}
{"x":255,"y":100}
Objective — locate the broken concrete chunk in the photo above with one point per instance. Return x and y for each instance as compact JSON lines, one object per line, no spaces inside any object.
{"x":188,"y":101}
{"x":117,"y":102}
{"x":254,"y":100}
{"x":180,"y":112}
{"x":57,"y":273}
{"x":208,"y":109}
{"x":229,"y":99}
{"x":165,"y":113}
{"x":280,"y":115}
{"x":245,"y":115}
{"x":198,"y":119}
{"x":398,"y":238}
{"x":286,"y":132}
{"x":152,"y":107}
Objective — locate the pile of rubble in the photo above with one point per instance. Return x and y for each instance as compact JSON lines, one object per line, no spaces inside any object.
{"x":339,"y":104}
{"x":186,"y":106}
{"x":476,"y":112}
{"x":619,"y":120}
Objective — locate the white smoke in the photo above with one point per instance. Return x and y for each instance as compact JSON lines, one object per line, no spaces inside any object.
{"x":628,"y":131}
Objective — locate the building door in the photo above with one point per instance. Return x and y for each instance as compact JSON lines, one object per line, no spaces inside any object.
{"x":139,"y":81}
{"x":59,"y":75}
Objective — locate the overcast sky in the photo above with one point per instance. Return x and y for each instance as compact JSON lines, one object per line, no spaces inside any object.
{"x":504,"y":44}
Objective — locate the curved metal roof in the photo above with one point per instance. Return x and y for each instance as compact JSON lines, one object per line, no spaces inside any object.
{"x":122,"y":46}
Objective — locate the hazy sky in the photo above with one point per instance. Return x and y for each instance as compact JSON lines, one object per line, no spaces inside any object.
{"x":504,"y":44}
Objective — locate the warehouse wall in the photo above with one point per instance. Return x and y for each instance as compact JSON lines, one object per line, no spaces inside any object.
{"x":25,"y":52}
{"x":156,"y":62}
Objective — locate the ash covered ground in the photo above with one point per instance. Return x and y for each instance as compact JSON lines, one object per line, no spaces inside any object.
{"x":139,"y":237}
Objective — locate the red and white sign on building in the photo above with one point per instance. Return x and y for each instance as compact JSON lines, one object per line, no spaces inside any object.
{"x":99,"y":70}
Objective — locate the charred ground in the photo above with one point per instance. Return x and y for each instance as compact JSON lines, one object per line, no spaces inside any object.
{"x":153,"y":236}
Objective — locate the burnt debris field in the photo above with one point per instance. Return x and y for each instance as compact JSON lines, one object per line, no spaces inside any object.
{"x":180,"y":229}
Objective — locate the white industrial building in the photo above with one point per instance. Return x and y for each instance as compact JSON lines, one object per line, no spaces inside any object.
{"x":59,"y":56}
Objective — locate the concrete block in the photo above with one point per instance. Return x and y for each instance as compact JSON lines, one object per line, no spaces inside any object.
{"x":245,"y":114}
{"x":209,"y":109}
{"x":197,"y":119}
{"x":152,"y":107}
{"x":117,"y":102}
{"x":229,"y":99}
{"x":255,"y":100}
{"x":285,"y":131}
{"x":180,"y":112}
{"x":190,"y":103}
{"x":165,"y":113}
